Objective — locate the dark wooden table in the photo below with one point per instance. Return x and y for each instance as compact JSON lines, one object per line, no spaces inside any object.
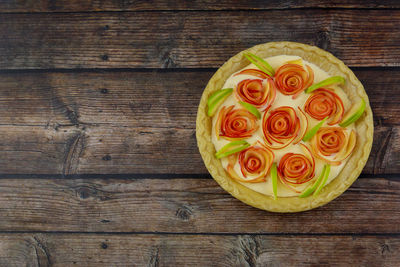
{"x":98,"y":158}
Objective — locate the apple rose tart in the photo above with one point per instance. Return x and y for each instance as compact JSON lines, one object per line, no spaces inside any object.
{"x":284,"y":127}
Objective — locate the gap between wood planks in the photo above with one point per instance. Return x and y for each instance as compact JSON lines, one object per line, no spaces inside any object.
{"x":138,"y":176}
{"x":160,"y":70}
{"x":396,"y":234}
{"x":62,"y":6}
{"x":195,"y":10}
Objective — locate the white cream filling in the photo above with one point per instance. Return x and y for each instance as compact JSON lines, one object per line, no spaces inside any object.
{"x":280,"y":100}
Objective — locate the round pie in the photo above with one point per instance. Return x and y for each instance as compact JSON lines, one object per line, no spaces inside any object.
{"x":284,"y":127}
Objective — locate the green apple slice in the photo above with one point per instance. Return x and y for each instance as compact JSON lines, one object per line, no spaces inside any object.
{"x":312,"y":188}
{"x":216,"y":99}
{"x":216,"y":94}
{"x":231,"y":148}
{"x":260,"y":63}
{"x":274,"y":177}
{"x":314,"y":130}
{"x":323,"y":182}
{"x":353,"y":114}
{"x":326,"y":82}
{"x":251,"y":108}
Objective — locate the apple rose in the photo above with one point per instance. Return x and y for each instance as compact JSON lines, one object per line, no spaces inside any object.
{"x":254,"y":162}
{"x":259,"y":93}
{"x":283,"y":126}
{"x":333,"y":144}
{"x":292,"y":79}
{"x":325,"y":103}
{"x":235,"y":123}
{"x":296,"y":169}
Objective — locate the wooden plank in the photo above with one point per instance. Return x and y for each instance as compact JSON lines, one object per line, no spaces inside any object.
{"x":204,"y":250}
{"x":92,"y":5}
{"x":371,"y":205}
{"x":129,"y":122}
{"x":189,"y":39}
{"x":32,"y":149}
{"x":383,"y":92}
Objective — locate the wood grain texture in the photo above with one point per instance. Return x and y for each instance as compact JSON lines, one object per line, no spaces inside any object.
{"x":130,"y":122}
{"x":65,"y":131}
{"x":371,"y":205}
{"x":134,"y":5}
{"x":188,"y":250}
{"x":190,"y":39}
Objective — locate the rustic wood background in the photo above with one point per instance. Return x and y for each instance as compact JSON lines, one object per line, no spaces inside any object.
{"x":98,"y":158}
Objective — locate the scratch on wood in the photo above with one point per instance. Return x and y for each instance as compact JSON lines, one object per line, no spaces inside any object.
{"x":323,"y":39}
{"x":250,"y":248}
{"x":154,"y":258}
{"x":72,"y":116}
{"x":42,"y":254}
{"x":58,"y":104}
{"x":385,"y":249}
{"x":246,"y":252}
{"x":379,"y":163}
{"x":73,"y":152}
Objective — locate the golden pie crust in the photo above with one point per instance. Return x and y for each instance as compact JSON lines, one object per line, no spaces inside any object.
{"x":364,"y":127}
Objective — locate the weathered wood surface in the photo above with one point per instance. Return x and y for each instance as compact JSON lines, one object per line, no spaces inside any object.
{"x":138,"y":122}
{"x":66,"y":135}
{"x":190,"y":39}
{"x":189,"y":250}
{"x":370,"y":206}
{"x":110,"y":5}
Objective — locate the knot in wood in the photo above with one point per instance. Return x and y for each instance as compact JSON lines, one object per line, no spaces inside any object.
{"x":184,"y":213}
{"x":107,"y":157}
{"x":83,"y":192}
